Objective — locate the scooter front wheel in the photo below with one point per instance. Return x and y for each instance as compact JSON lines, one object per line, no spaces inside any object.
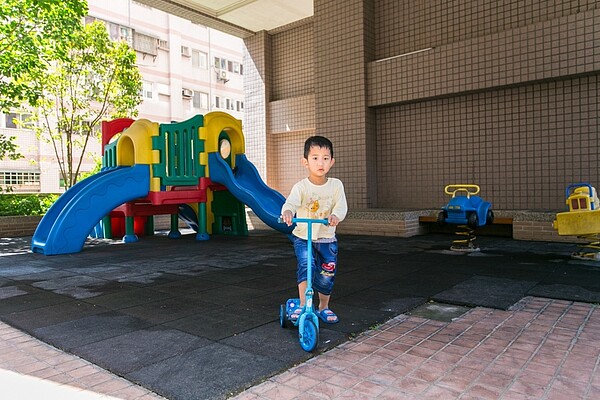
{"x":308,"y":336}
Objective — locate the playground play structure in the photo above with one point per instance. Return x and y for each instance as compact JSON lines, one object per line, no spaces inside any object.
{"x":582,"y":219}
{"x":195,"y":170}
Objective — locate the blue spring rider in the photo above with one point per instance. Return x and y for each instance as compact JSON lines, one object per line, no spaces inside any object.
{"x":307,"y":322}
{"x":468,"y":211}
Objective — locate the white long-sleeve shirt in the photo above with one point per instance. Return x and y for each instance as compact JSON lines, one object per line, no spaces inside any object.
{"x":307,"y":200}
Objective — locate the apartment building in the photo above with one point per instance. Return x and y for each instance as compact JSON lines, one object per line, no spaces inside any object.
{"x":187,"y":69}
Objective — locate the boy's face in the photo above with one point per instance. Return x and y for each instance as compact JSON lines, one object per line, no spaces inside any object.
{"x":319,"y":161}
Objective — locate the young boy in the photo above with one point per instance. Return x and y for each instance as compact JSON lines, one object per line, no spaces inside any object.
{"x":317,"y":196}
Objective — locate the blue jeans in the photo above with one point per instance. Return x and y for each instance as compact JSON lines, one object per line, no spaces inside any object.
{"x":324,"y":263}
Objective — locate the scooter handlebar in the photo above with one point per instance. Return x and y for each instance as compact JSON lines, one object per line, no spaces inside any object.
{"x":324,"y":221}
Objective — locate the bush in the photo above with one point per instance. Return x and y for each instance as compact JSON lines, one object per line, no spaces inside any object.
{"x":25,"y":204}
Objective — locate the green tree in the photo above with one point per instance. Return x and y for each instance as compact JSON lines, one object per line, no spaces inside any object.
{"x":32,"y":33}
{"x":8,"y":149}
{"x":97,"y":79}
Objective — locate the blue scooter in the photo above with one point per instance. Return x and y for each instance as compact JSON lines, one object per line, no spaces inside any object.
{"x":307,"y":322}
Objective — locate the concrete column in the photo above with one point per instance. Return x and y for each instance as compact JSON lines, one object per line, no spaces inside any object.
{"x":343,"y":37}
{"x":257,"y":64}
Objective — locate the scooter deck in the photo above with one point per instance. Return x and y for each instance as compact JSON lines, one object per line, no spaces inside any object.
{"x":290,"y":306}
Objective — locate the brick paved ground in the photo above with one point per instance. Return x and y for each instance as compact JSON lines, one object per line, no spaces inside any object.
{"x":540,"y":349}
{"x":31,"y":370}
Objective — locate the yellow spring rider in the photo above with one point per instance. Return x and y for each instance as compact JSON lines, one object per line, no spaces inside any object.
{"x":582,"y":220}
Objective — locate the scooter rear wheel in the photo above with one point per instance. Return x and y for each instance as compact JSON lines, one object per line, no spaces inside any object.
{"x":309,"y":337}
{"x":283,"y":319}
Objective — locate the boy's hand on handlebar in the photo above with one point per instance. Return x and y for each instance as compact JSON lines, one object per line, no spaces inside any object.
{"x":333,"y":220}
{"x":287,"y":217}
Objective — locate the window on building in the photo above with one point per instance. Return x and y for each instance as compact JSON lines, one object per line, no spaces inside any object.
{"x":126,"y":34}
{"x":239,"y":105}
{"x":120,"y":32}
{"x":227,"y":65}
{"x":61,"y":181}
{"x":199,"y":59}
{"x":229,"y":104}
{"x":163,"y":44}
{"x":200,"y":100}
{"x":18,"y":178}
{"x":10,"y":120}
{"x":113,"y":30}
{"x":147,"y":90}
{"x":18,"y":121}
{"x":217,"y":102}
{"x":96,"y":130}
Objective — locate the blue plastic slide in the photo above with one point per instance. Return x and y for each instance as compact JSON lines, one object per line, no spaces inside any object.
{"x":189,"y":216}
{"x":71,"y":218}
{"x":247,"y":186}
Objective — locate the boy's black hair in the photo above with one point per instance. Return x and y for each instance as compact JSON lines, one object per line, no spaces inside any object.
{"x":319,"y":141}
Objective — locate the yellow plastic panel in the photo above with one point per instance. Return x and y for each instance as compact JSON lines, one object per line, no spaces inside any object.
{"x":578,"y":223}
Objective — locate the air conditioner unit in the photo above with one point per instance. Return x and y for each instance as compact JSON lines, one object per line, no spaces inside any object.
{"x":187,"y":93}
{"x":185,"y":51}
{"x":222,"y":75}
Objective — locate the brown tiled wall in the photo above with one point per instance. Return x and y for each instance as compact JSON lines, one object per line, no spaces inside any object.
{"x":292,"y":121}
{"x":293,"y":114}
{"x":506,"y":98}
{"x":549,"y":50}
{"x":344,"y":43}
{"x":405,"y":25}
{"x":521,"y":145}
{"x":285,"y":166}
{"x":291,"y":107}
{"x":293,"y":71}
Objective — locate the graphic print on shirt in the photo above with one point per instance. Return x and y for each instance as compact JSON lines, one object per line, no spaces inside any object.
{"x":313,"y":206}
{"x":319,"y":207}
